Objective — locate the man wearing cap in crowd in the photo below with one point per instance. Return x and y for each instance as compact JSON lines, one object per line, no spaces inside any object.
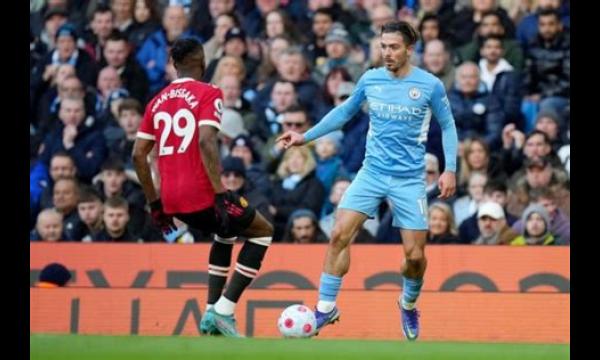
{"x":66,"y":52}
{"x":232,"y":126}
{"x":303,"y":228}
{"x":492,"y":225}
{"x":233,"y":177}
{"x":243,"y":147}
{"x":234,"y":45}
{"x":54,"y":17}
{"x":338,"y":46}
{"x":551,"y":123}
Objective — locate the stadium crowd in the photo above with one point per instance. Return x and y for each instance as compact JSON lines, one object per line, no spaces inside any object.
{"x":282,"y":65}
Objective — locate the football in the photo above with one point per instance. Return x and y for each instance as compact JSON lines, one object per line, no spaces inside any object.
{"x":297,"y":321}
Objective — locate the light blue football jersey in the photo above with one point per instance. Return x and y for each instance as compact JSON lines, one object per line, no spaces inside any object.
{"x":400,"y":111}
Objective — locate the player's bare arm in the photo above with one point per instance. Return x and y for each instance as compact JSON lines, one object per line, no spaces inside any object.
{"x":141,"y":149}
{"x":209,"y":149}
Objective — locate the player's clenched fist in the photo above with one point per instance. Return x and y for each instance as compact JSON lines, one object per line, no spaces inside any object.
{"x":291,"y":138}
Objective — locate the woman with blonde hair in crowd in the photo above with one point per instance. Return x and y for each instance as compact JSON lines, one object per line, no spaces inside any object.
{"x":229,"y":65}
{"x":267,"y":71}
{"x":477,"y":157}
{"x":442,"y":229}
{"x":296,"y":187}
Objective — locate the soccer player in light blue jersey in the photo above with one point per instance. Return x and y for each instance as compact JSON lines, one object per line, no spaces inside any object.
{"x":401,"y":100}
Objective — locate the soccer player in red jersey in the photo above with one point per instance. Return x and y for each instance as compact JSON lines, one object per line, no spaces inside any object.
{"x":183,"y":120}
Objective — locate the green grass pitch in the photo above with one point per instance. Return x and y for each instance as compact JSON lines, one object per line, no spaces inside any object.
{"x":83,"y":347}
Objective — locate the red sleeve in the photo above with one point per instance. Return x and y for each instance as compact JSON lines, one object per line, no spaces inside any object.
{"x":211,"y":107}
{"x":146,"y":129}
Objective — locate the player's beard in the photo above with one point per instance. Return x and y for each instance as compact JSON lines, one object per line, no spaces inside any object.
{"x":397,"y":64}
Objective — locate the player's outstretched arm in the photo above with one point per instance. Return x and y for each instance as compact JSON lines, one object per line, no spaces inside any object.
{"x":443,"y":114}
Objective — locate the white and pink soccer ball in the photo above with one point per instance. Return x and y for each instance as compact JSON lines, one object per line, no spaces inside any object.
{"x":297,"y":321}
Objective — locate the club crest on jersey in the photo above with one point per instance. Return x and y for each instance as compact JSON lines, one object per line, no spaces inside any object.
{"x":243,"y":202}
{"x":414,"y":93}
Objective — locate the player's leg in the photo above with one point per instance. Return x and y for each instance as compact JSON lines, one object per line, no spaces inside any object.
{"x":250,"y":257}
{"x":360,"y":201}
{"x":409,"y":206}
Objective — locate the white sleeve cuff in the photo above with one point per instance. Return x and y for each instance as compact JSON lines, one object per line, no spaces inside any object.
{"x":212,"y":123}
{"x":143,"y":135}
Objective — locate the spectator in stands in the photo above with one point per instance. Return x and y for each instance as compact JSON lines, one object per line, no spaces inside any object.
{"x":467,"y":205}
{"x":293,"y":118}
{"x":559,"y":224}
{"x":117,"y":55}
{"x":476,"y":112}
{"x":123,"y":15}
{"x":292,"y":66}
{"x":113,"y":182}
{"x":278,"y":22}
{"x":229,"y":65}
{"x":65,"y":199}
{"x":495,"y":190}
{"x":303,"y":228}
{"x":206,"y":14}
{"x":477,"y":157}
{"x":267,"y":71}
{"x":66,"y":52}
{"x":501,"y":79}
{"x":90,"y":209}
{"x":329,"y":162}
{"x":537,"y":228}
{"x":548,"y":64}
{"x":213,"y":48}
{"x":491,"y":25}
{"x":332,"y":82}
{"x":436,"y":60}
{"x":442,"y":229}
{"x":466,"y":21}
{"x":517,"y":148}
{"x":54,"y":17}
{"x":146,"y":22}
{"x":108,"y":118}
{"x":233,"y":99}
{"x":527,"y":29}
{"x":232,"y":126}
{"x":443,"y":10}
{"x":108,"y":81}
{"x":369,"y":228}
{"x":62,"y":166}
{"x":322,"y":22}
{"x":539,"y":174}
{"x":233,"y":177}
{"x":492,"y":226}
{"x":153,"y":54}
{"x":116,"y":218}
{"x":81,"y":140}
{"x":338,"y":45}
{"x":296,"y":187}
{"x":130,"y":117}
{"x":243,"y":147}
{"x":429,"y":29}
{"x":49,"y":227}
{"x":100,"y":27}
{"x":551,"y":124}
{"x":254,"y":22}
{"x":46,"y":104}
{"x":235,"y":45}
{"x":377,"y":17}
{"x":269,"y":122}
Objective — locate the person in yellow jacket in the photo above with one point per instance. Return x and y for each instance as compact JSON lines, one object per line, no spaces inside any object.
{"x":537,"y":227}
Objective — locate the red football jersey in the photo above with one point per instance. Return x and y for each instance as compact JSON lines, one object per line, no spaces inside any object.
{"x":173,"y":119}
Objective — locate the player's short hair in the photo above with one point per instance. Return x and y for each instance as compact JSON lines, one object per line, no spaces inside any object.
{"x":89,"y":194}
{"x":130,"y":104}
{"x":409,"y":34}
{"x":182,"y":48}
{"x":117,"y":202}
